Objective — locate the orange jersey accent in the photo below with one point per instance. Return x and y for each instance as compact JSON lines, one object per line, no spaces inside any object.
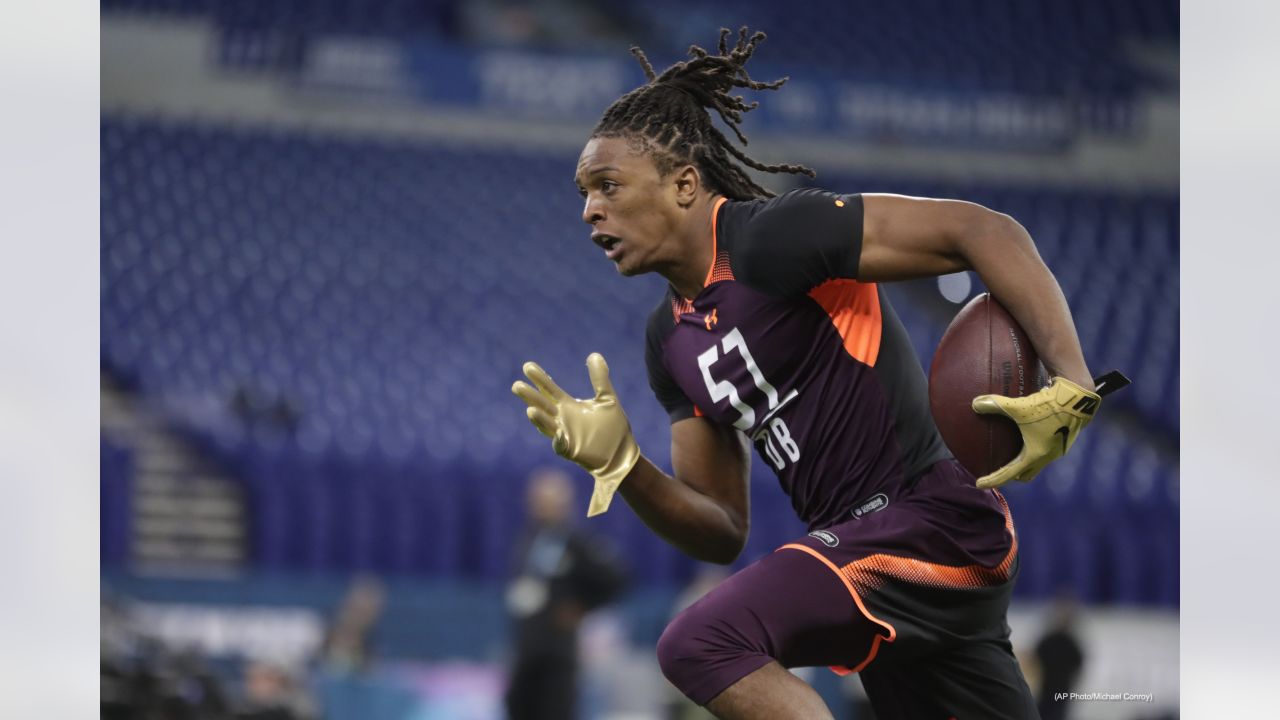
{"x":854,"y":308}
{"x":718,"y":271}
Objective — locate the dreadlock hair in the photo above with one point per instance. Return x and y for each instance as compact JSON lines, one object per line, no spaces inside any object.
{"x":669,"y":117}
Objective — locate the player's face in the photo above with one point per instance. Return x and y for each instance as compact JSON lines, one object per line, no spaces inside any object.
{"x":630,"y":207}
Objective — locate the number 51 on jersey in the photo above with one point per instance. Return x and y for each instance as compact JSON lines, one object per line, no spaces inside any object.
{"x":777,"y":445}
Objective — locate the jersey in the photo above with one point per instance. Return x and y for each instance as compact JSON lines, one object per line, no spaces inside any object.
{"x":786,"y":344}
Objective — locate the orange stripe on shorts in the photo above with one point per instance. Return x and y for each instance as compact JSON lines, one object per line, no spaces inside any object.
{"x":857,"y":599}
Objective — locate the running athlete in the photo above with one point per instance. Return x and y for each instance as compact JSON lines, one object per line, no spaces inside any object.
{"x":775,"y":332}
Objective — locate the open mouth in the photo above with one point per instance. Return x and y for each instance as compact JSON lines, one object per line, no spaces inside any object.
{"x":609,"y":243}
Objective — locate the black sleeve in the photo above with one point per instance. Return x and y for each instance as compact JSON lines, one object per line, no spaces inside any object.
{"x":797,"y":241}
{"x":673,"y":399}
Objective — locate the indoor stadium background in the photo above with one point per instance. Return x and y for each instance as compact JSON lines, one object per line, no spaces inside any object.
{"x":332,"y":232}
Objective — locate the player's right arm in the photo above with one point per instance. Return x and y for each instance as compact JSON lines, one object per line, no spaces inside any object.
{"x":701,"y":509}
{"x":704,"y":508}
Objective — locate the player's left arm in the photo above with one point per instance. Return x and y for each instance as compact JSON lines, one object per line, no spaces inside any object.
{"x":905,"y":237}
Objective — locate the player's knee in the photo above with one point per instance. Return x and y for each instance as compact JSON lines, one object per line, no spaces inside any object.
{"x":681,"y":648}
{"x":694,"y":644}
{"x":676,"y":649}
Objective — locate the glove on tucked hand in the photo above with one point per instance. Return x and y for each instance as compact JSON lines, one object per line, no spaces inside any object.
{"x":1049,"y":421}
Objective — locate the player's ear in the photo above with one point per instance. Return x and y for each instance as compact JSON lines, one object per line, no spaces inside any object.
{"x":688,"y":181}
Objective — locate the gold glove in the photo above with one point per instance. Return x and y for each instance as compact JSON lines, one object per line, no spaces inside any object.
{"x":592,"y":432}
{"x":1049,"y":420}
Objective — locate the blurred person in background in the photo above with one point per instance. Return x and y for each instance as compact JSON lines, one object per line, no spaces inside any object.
{"x":1060,"y":658}
{"x":272,"y":692}
{"x":773,"y":330}
{"x":348,"y":645}
{"x":560,"y":574}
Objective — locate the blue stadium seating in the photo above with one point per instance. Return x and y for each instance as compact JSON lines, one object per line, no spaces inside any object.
{"x":385,"y":295}
{"x":1032,"y":47}
{"x":1037,"y":48}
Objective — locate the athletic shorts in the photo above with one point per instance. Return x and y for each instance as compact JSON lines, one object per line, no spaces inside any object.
{"x":910,"y":593}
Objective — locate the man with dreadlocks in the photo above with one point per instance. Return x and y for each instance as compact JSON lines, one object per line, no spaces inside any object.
{"x":775,"y":331}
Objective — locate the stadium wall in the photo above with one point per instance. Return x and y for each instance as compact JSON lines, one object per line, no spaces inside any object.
{"x":167,"y":67}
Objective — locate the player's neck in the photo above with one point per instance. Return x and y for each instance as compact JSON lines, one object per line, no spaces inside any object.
{"x":688,"y":275}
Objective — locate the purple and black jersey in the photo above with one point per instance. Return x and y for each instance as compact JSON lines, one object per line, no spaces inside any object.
{"x":787,"y":345}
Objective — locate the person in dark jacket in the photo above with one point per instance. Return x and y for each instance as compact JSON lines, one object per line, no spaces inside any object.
{"x":1061,"y":659}
{"x":560,"y":574}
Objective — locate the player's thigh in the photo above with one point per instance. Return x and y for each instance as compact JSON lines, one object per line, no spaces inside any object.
{"x":789,"y":606}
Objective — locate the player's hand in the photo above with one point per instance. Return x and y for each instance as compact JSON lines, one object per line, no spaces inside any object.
{"x":592,"y":432}
{"x":1049,"y":420}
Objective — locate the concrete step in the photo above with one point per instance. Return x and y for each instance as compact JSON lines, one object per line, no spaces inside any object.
{"x":187,"y":527}
{"x":209,"y":507}
{"x":178,"y":484}
{"x":184,"y":554}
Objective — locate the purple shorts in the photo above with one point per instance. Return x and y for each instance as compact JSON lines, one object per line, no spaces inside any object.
{"x":910,"y":592}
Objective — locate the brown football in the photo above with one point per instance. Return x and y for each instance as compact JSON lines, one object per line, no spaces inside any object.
{"x":984,"y":350}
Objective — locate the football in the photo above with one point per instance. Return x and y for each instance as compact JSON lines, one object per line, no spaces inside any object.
{"x":983,"y":351}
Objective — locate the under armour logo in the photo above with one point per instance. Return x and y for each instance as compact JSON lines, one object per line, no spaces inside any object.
{"x":710,"y":319}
